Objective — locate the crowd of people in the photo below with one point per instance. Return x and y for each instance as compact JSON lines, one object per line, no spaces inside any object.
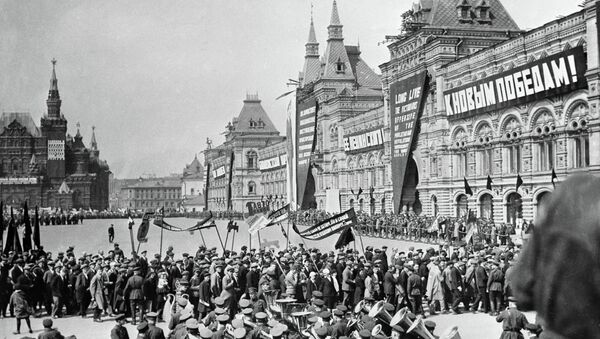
{"x":212,"y":295}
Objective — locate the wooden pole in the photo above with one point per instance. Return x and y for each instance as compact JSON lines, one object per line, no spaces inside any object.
{"x":161,"y":233}
{"x":226,"y":238}
{"x":233,"y":240}
{"x":361,"y":242}
{"x":131,"y":237}
{"x":259,"y":242}
{"x":202,"y":236}
{"x":220,"y":239}
{"x":287,"y":246}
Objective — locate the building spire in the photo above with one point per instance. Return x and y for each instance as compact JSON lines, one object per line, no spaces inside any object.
{"x":312,"y":65}
{"x":78,"y":135}
{"x":335,"y":27}
{"x":53,"y":102}
{"x":93,"y":142}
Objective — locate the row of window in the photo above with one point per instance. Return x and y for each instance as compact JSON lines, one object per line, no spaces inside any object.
{"x":369,"y":178}
{"x":544,"y":157}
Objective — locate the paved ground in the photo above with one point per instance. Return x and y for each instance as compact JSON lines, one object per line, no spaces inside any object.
{"x":471,"y":326}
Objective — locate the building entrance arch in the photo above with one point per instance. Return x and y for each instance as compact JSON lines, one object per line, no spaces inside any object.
{"x":462,"y":205}
{"x":486,"y":206}
{"x":514,"y":208}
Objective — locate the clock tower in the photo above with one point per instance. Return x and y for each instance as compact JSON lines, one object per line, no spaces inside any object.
{"x":54,"y":129}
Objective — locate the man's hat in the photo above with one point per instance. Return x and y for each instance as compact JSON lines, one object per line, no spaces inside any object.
{"x":220,"y":310}
{"x":191,"y":323}
{"x":205,"y":333}
{"x":260,"y":316}
{"x":244,"y":303}
{"x":317,"y":294}
{"x":143,"y":326}
{"x":239,"y":333}
{"x":325,"y":315}
{"x":318,"y":302}
{"x":121,"y":317}
{"x":223,"y":318}
{"x":322,"y":331}
{"x":219,"y":301}
{"x":185,"y":314}
{"x":237,"y":323}
{"x":152,"y":315}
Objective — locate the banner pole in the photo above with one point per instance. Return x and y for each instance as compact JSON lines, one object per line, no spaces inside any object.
{"x":131,"y":238}
{"x":220,"y":239}
{"x":259,"y":242}
{"x":233,"y":240}
{"x":362,"y":246}
{"x":161,"y":233}
{"x":226,"y":239}
{"x":287,"y":246}
{"x":202,"y":236}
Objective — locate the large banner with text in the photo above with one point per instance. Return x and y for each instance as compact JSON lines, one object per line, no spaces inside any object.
{"x":554,"y":75}
{"x":306,"y":131}
{"x":406,"y":101}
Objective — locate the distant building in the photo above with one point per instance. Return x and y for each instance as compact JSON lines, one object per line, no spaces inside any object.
{"x":192,"y":186}
{"x":117,"y":196}
{"x":45,"y":165}
{"x":237,"y":158}
{"x":272,"y":161}
{"x":153,"y":193}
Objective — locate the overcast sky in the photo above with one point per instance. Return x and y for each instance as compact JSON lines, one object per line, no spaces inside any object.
{"x":157,"y":78}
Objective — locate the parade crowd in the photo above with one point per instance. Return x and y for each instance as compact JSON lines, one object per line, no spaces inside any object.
{"x":215,"y":294}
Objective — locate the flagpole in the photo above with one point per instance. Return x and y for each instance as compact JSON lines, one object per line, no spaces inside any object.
{"x":162,"y":212}
{"x":226,"y":238}
{"x":361,"y":241}
{"x":202,"y":236}
{"x":287,"y":246}
{"x":131,"y":237}
{"x":259,"y":242}
{"x":233,"y":240}
{"x":220,"y":239}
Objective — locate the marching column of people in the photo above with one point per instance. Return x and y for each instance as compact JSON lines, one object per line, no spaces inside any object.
{"x":208,"y":290}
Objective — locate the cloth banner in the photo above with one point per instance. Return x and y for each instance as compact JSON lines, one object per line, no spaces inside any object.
{"x":328,"y":227}
{"x":27,"y":232}
{"x":142,"y":234}
{"x":257,"y":216}
{"x":306,"y":132}
{"x":279,"y":216}
{"x":435,"y":225}
{"x":36,"y":229}
{"x":406,"y":102}
{"x":346,"y":237}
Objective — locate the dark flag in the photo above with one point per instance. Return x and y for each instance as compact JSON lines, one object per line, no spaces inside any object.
{"x":352,"y":191}
{"x":468,"y":189}
{"x":488,"y":185}
{"x":201,"y":223}
{"x":329,"y":227}
{"x":360,"y":190}
{"x":519,"y":181}
{"x":27,"y":233}
{"x":36,"y":229}
{"x":346,"y":237}
{"x":203,"y":227}
{"x":142,"y":233}
{"x":554,"y":177}
{"x":1,"y":226}
{"x":12,"y":237}
{"x":233,"y":227}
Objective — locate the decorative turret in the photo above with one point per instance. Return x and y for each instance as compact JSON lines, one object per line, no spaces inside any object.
{"x":94,"y":145}
{"x":312,"y":64}
{"x":337,"y":63}
{"x":53,"y":101}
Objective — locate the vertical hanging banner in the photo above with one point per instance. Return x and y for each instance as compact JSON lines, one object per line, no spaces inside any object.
{"x":406,"y":102}
{"x":306,"y":132}
{"x":207,"y":185}
{"x":229,"y":181}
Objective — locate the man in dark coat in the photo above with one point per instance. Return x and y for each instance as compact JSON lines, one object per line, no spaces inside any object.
{"x":414,"y":290}
{"x":252,"y":277}
{"x":119,"y":331}
{"x":328,"y":288}
{"x":82,"y":293}
{"x":513,"y":321}
{"x":58,"y":286}
{"x":49,"y":332}
{"x":133,"y":291}
{"x":481,"y":278}
{"x":153,"y":332}
{"x":390,"y":280}
{"x":454,"y":282}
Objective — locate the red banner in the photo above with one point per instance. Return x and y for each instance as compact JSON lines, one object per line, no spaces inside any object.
{"x":306,"y":131}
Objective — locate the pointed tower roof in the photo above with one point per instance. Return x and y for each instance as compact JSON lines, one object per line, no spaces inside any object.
{"x":337,"y":64}
{"x":253,"y":118}
{"x":312,"y":65}
{"x":443,"y":14}
{"x":53,"y":92}
{"x":33,"y":160}
{"x":335,"y":17}
{"x":93,"y":143}
{"x":78,"y":143}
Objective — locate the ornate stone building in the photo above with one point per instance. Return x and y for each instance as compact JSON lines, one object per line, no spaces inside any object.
{"x":348,"y":94}
{"x":47,"y":166}
{"x":502,"y":103}
{"x":272,"y":161}
{"x":233,"y":173}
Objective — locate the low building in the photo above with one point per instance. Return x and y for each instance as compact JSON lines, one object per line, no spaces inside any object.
{"x":154,"y":193}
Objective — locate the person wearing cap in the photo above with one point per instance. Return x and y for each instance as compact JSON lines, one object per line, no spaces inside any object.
{"x":340,"y":324}
{"x":192,"y":328}
{"x":111,"y":233}
{"x":21,"y":308}
{"x":154,"y":332}
{"x":480,"y":279}
{"x":228,"y":294}
{"x":329,"y":287}
{"x":204,"y":295}
{"x":495,"y":287}
{"x":133,"y":291}
{"x":413,"y":291}
{"x":82,"y":293}
{"x":119,"y":331}
{"x":49,"y":332}
{"x":179,"y":329}
{"x":261,"y":326}
{"x":97,"y":293}
{"x":252,"y":277}
{"x":513,"y":321}
{"x":216,"y":279}
{"x":142,"y":328}
{"x":58,"y":290}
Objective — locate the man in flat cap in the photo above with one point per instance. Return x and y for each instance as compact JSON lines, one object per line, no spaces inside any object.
{"x":133,"y":291}
{"x":49,"y":332}
{"x":119,"y":331}
{"x":153,"y":332}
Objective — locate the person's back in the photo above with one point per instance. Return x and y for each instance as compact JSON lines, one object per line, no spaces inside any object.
{"x":557,"y":275}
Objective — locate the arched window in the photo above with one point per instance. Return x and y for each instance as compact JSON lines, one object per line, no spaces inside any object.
{"x":361,"y":204}
{"x":251,"y":158}
{"x":351,"y":203}
{"x":514,"y":208}
{"x":251,"y":187}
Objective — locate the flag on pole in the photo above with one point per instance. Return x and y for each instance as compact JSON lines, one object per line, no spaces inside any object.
{"x":488,"y":185}
{"x":468,"y":189}
{"x":346,"y":237}
{"x":36,"y":229}
{"x":27,"y":232}
{"x":554,"y":178}
{"x":519,"y":181}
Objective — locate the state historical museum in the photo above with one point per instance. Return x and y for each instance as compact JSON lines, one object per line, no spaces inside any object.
{"x":45,"y":165}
